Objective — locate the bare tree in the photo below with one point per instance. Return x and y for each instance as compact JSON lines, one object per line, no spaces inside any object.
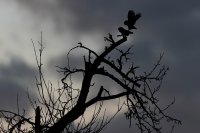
{"x":62,"y":109}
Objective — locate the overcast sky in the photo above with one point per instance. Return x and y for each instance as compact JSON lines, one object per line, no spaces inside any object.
{"x":170,"y":26}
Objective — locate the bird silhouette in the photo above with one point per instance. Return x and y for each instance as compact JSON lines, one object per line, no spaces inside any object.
{"x":124,"y":32}
{"x":132,"y":18}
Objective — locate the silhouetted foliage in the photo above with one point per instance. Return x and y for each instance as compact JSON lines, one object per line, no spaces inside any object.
{"x":62,"y":109}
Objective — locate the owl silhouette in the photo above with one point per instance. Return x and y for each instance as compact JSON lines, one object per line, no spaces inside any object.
{"x":132,"y":18}
{"x":124,"y":32}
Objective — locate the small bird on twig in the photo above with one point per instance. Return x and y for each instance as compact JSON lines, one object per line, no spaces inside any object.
{"x":132,"y":18}
{"x":124,"y":32}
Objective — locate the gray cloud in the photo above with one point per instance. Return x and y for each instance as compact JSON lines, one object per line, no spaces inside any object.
{"x":174,"y":25}
{"x":166,"y":26}
{"x":9,"y":92}
{"x":15,"y":78}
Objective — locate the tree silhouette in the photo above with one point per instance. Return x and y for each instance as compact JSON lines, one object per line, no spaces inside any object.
{"x":62,"y":109}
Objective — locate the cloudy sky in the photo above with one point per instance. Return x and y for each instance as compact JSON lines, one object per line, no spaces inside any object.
{"x":170,"y":26}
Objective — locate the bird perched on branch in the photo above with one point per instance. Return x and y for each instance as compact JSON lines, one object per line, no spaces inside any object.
{"x":132,"y":18}
{"x":124,"y":32}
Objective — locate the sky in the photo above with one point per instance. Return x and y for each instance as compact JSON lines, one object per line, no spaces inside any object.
{"x":170,"y":26}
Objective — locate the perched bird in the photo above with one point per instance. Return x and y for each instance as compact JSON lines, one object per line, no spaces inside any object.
{"x":124,"y":32}
{"x":132,"y":18}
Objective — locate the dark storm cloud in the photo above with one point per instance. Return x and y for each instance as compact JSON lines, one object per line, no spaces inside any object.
{"x":166,"y":26}
{"x":175,"y":23}
{"x":19,"y":72}
{"x":8,"y":92}
{"x":15,"y":78}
